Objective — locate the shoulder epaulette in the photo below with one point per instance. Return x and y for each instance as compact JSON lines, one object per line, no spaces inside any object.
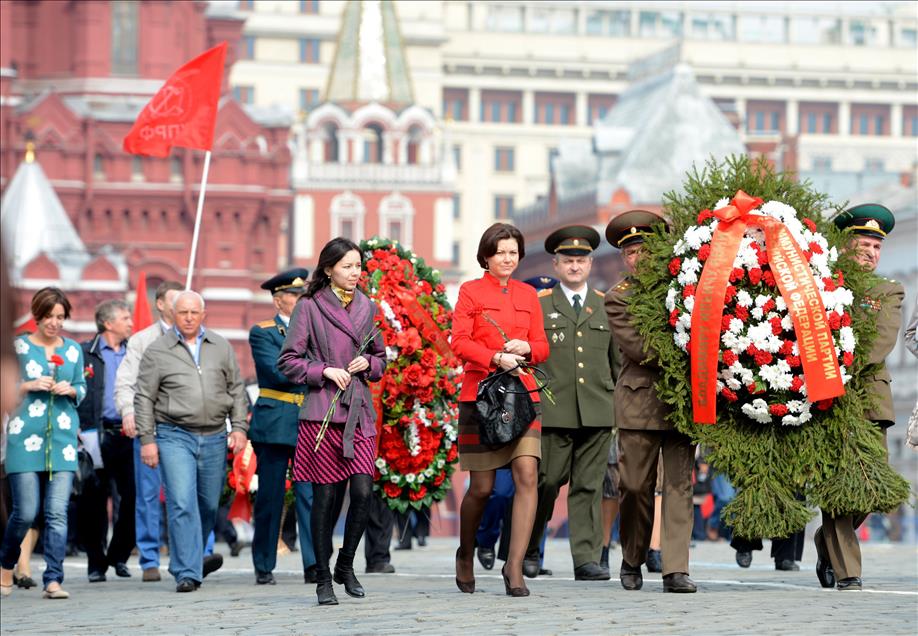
{"x":599,"y":293}
{"x":544,"y":292}
{"x":265,"y":324}
{"x":622,"y":286}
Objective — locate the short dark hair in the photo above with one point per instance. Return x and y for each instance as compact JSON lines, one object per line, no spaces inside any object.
{"x":106,"y":310}
{"x":487,"y":246}
{"x":333,"y":252}
{"x":45,"y":299}
{"x":165,"y":287}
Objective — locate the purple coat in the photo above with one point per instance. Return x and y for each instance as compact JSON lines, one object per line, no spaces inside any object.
{"x":323,"y":334}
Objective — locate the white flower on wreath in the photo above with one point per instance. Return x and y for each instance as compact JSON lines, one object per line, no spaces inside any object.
{"x":671,"y":298}
{"x":15,"y":426}
{"x":33,"y":370}
{"x":846,"y":339}
{"x":72,"y":354}
{"x":37,"y":408}
{"x":69,"y":453}
{"x":687,"y":278}
{"x":689,"y":304}
{"x":428,"y":472}
{"x":743,"y":298}
{"x":21,"y":346}
{"x":441,"y":463}
{"x":63,"y":422}
{"x":33,"y":443}
{"x":421,"y":478}
{"x":380,"y":463}
{"x":410,"y":478}
{"x":681,"y":339}
{"x":394,"y":478}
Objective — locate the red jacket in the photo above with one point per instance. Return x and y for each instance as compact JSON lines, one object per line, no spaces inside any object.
{"x":515,"y":308}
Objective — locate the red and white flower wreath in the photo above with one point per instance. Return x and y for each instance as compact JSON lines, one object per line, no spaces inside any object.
{"x":759,"y":368}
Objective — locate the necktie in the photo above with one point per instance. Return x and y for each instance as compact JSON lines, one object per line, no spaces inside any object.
{"x":577,"y":305}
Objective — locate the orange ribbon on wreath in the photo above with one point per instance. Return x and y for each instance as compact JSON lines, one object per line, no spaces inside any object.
{"x":426,"y":325}
{"x":244,"y":465}
{"x":798,"y":289}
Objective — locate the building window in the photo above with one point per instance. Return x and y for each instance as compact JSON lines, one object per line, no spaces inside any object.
{"x":346,"y":228}
{"x":396,"y":214}
{"x":873,"y":165}
{"x":660,"y":24}
{"x":136,"y":168}
{"x":811,"y":122}
{"x":457,"y":157}
{"x":862,"y":33}
{"x":774,"y":121}
{"x":864,"y":122}
{"x":908,"y":38}
{"x":500,"y":106}
{"x":764,"y":117}
{"x":457,"y":251}
{"x":815,"y":30}
{"x":309,"y":97}
{"x":98,"y":167}
{"x":309,"y":50}
{"x":347,"y":212}
{"x":762,"y":28}
{"x":244,"y":94}
{"x":553,"y":108}
{"x":247,"y":44}
{"x":176,"y":172}
{"x":503,"y":206}
{"x":599,"y":106}
{"x":822,"y":164}
{"x":503,"y":159}
{"x":504,"y":18}
{"x":759,"y":119}
{"x":714,"y":26}
{"x":124,"y":37}
{"x":827,"y":123}
{"x":612,"y":23}
{"x":456,"y":104}
{"x":457,"y":207}
{"x":552,"y":20}
{"x":879,"y":125}
{"x":309,"y":6}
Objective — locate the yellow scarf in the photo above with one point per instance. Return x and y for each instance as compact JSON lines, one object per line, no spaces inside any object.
{"x":344,"y":296}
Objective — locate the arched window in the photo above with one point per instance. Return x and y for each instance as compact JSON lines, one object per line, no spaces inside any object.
{"x":331,"y":143}
{"x":347,"y":212}
{"x":413,"y":139}
{"x":372,"y":144}
{"x":98,"y":167}
{"x":396,"y":218}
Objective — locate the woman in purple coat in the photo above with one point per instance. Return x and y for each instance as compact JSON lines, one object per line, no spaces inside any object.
{"x":330,"y":323}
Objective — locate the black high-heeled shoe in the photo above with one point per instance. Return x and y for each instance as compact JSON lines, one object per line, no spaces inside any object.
{"x":512,"y":591}
{"x":468,"y":587}
{"x":344,"y":575}
{"x":325,"y":591}
{"x":24,"y":582}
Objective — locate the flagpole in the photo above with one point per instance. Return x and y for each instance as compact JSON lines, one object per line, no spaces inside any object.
{"x":197,"y":220}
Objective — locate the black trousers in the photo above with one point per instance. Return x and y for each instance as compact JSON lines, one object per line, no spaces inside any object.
{"x":379,"y":532}
{"x":783,"y":549}
{"x":92,"y":506}
{"x":269,"y":502}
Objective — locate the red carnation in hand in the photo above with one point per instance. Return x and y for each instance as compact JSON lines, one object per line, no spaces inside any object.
{"x":673,"y":317}
{"x":815,"y":247}
{"x":704,"y":215}
{"x":755,"y":275}
{"x":769,"y":278}
{"x":847,"y":358}
{"x":809,"y":223}
{"x":417,"y":495}
{"x":728,"y":394}
{"x":56,"y":360}
{"x":778,"y":409}
{"x":796,"y":384}
{"x":704,"y":252}
{"x":392,"y":490}
{"x":742,"y":313}
{"x":675,"y":266}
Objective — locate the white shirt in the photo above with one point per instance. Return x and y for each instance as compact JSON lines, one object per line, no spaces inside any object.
{"x":569,"y":294}
{"x":284,"y":319}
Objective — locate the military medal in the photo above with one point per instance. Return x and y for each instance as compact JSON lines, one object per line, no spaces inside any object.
{"x":554,"y":315}
{"x":554,"y":337}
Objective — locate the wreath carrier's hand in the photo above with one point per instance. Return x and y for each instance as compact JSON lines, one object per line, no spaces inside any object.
{"x":236,"y":441}
{"x":357,"y":365}
{"x":517,"y":347}
{"x":339,"y":376}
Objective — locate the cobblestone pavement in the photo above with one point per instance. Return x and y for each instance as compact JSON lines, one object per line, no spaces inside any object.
{"x":421,"y":598}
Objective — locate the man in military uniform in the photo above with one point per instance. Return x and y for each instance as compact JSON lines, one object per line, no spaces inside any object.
{"x":838,"y":554}
{"x":643,"y":431}
{"x":273,"y":433}
{"x":577,"y":427}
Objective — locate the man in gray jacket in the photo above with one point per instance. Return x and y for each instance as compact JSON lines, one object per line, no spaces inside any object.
{"x":189,"y":384}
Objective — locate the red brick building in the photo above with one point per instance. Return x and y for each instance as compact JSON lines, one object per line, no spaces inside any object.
{"x":77,"y":99}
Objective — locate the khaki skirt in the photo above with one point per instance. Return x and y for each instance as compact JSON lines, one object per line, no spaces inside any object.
{"x":473,"y":455}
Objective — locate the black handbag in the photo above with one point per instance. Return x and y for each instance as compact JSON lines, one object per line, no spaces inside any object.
{"x":504,"y":407}
{"x":85,"y":473}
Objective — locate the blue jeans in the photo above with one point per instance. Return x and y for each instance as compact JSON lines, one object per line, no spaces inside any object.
{"x":194,"y":470}
{"x":147,"y":510}
{"x":27,"y":494}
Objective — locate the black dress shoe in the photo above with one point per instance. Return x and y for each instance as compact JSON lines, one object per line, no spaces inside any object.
{"x":850,"y":583}
{"x":212,"y":563}
{"x":787,"y":565}
{"x":531,"y":567}
{"x":545,"y":572}
{"x":264,"y":578}
{"x":380,"y":568}
{"x":121,"y":569}
{"x":97,"y":577}
{"x":235,"y":548}
{"x":631,"y":577}
{"x":824,"y":571}
{"x":679,"y":582}
{"x":654,"y":561}
{"x":422,"y":542}
{"x":186,"y":585}
{"x":404,"y":544}
{"x":344,"y":575}
{"x":744,"y":558}
{"x":486,"y":557}
{"x":591,"y":572}
{"x":309,"y":575}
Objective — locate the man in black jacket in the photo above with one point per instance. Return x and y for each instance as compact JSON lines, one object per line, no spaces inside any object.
{"x":112,"y":452}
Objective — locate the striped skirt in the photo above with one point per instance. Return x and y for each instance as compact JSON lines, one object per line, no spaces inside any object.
{"x":473,"y":455}
{"x":328,"y":464}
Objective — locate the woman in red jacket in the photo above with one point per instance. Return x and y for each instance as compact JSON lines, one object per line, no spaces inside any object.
{"x":496,"y":299}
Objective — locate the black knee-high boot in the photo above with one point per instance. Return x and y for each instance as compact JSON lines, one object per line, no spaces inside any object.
{"x":354,"y":527}
{"x":322,"y":520}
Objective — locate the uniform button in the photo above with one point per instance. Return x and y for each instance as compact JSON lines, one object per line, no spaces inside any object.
{"x":580,"y":380}
{"x":580,"y":364}
{"x":579,"y":334}
{"x":553,"y":325}
{"x":580,"y":349}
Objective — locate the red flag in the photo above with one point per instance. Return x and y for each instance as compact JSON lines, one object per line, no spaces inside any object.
{"x":26,"y":324}
{"x":143,"y":317}
{"x":184,"y":111}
